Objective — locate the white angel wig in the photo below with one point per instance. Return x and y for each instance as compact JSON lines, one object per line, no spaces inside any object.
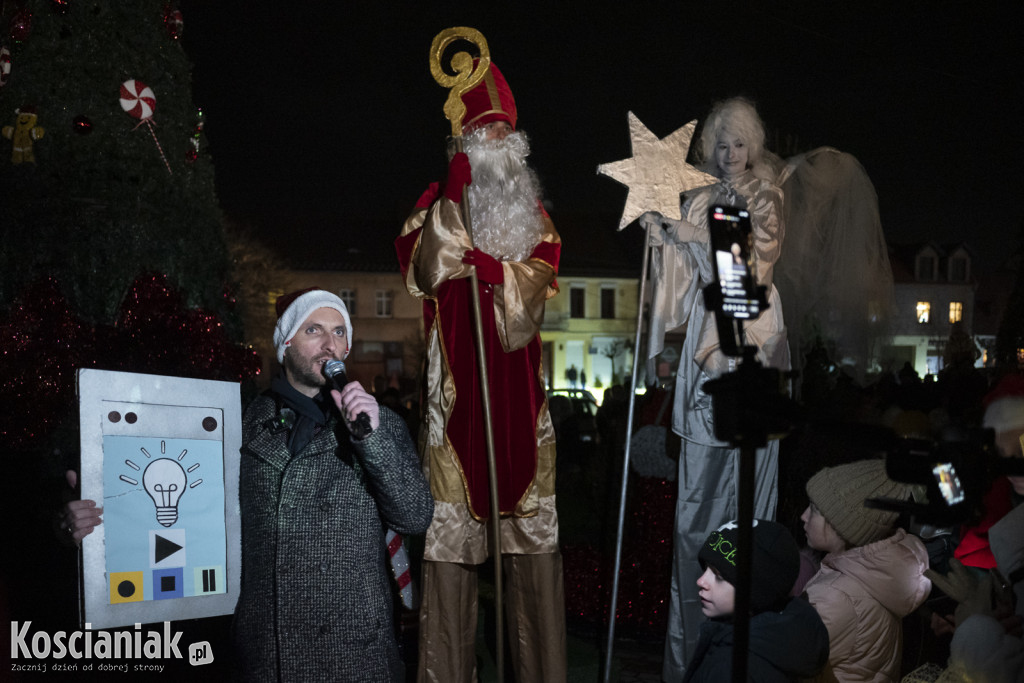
{"x":735,"y":116}
{"x":503,"y":196}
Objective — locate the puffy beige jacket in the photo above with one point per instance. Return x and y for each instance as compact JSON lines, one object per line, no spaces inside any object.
{"x":862,"y":595}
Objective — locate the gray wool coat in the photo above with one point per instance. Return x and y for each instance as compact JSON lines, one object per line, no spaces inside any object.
{"x":316,"y":601}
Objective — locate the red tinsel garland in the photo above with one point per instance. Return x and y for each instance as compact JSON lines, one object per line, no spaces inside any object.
{"x":645,"y":570}
{"x":43,"y":344}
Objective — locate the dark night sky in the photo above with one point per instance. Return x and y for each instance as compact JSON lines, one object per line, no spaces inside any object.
{"x":325,"y":124}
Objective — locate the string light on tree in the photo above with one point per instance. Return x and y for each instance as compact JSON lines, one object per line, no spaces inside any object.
{"x":193,"y":153}
{"x":21,"y":25}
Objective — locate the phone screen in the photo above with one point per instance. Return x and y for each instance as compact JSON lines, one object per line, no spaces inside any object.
{"x":949,"y":483}
{"x":730,"y":242}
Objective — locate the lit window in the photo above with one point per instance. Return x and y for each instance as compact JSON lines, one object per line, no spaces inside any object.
{"x":348,"y":297}
{"x":577,"y":302}
{"x":956,"y":311}
{"x":384,"y":298}
{"x":924,"y":310}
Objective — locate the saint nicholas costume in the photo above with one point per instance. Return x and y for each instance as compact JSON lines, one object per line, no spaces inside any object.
{"x":452,"y":440}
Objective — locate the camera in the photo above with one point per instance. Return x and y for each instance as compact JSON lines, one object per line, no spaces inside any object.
{"x":955,"y":473}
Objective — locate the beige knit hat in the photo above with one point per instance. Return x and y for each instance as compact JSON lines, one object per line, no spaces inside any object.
{"x":839,"y":493}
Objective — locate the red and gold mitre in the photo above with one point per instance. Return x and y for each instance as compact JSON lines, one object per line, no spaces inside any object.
{"x":490,"y":100}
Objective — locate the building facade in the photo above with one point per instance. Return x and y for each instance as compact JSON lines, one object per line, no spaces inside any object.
{"x":387,"y":324}
{"x":934,"y":289}
{"x":588,"y":333}
{"x":589,"y":327}
{"x":589,"y":324}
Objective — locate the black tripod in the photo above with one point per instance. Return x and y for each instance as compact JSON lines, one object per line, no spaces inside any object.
{"x":748,"y":405}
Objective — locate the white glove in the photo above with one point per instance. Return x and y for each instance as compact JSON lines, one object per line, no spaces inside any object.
{"x":651,"y":222}
{"x":675,"y":230}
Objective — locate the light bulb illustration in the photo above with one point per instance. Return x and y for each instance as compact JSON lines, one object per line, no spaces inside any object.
{"x":164,"y":481}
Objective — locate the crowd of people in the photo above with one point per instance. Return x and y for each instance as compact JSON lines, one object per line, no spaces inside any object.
{"x":832,"y":588}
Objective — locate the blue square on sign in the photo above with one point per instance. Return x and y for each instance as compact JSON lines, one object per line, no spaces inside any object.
{"x":168,"y":583}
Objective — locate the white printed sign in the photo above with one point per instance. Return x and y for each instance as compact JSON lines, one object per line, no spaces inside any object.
{"x":160,"y":455}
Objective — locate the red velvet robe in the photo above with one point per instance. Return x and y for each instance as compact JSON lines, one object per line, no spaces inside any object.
{"x":430,"y":251}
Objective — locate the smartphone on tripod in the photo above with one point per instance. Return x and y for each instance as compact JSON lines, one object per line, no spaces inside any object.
{"x":741,"y":299}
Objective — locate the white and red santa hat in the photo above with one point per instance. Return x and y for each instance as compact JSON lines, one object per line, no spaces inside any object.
{"x":294,"y":308}
{"x":1004,"y":405}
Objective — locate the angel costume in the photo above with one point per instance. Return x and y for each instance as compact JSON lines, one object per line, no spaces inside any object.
{"x":834,"y":276}
{"x":708,"y":468}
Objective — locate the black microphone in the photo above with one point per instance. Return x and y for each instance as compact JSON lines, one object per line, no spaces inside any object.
{"x":334,"y":370}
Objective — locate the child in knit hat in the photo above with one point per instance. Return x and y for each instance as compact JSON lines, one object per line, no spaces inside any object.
{"x":787,"y":638}
{"x":872,"y":575}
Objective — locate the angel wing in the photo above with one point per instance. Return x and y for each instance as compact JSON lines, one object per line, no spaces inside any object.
{"x":833,"y":274}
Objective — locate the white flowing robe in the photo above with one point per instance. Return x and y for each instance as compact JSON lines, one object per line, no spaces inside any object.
{"x":708,"y":468}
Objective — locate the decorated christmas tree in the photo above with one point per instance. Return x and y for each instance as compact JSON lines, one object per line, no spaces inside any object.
{"x":116,"y":181}
{"x":114,"y":254}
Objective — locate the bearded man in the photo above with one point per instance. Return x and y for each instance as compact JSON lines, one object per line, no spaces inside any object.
{"x":516,"y":258}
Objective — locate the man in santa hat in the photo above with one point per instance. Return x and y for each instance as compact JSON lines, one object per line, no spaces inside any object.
{"x":515,"y":251}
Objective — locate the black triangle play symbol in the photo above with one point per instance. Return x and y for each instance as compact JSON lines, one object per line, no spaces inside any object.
{"x":164,"y":548}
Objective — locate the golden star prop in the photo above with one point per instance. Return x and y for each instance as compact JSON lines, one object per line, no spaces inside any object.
{"x":657,"y":173}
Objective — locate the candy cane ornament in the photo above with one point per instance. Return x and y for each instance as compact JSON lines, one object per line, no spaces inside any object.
{"x":139,"y":101}
{"x":399,"y":559}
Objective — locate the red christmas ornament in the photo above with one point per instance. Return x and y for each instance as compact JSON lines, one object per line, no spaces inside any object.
{"x":21,"y":25}
{"x":173,"y":22}
{"x":81,"y":125}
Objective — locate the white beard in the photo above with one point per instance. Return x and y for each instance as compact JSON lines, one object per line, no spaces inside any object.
{"x":503,"y":197}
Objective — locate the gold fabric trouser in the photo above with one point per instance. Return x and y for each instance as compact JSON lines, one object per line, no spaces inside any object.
{"x":534,"y":614}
